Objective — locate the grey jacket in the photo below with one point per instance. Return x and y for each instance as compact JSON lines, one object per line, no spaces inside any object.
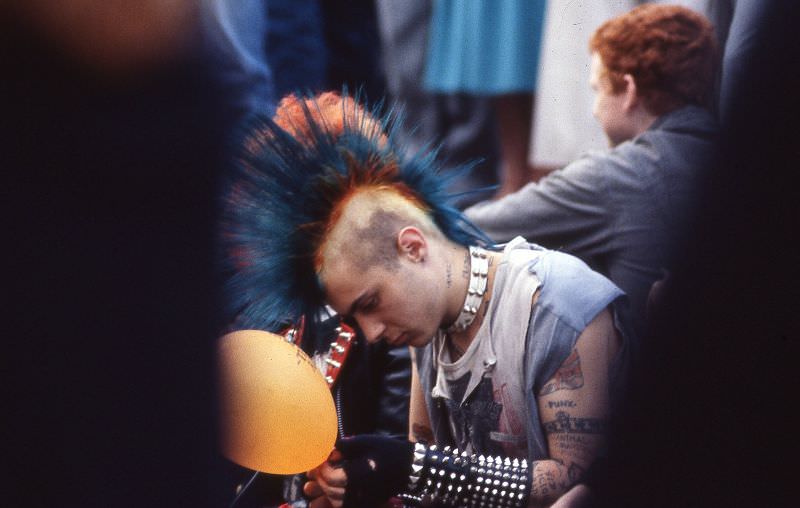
{"x":621,"y":210}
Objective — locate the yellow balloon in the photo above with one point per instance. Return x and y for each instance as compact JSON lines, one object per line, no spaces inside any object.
{"x":277,"y":413}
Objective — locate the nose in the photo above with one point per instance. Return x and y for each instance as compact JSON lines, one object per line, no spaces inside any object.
{"x":373,"y":329}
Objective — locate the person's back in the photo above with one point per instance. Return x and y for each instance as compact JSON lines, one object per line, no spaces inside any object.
{"x":622,"y":210}
{"x":644,"y":198}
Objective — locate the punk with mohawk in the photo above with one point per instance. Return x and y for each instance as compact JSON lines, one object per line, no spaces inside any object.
{"x":518,"y":350}
{"x":293,"y":177}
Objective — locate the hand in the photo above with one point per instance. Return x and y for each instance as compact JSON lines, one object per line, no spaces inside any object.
{"x":327,"y":482}
{"x":376,"y":467}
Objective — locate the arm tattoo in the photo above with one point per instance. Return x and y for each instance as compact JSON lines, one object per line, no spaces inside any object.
{"x":547,"y":483}
{"x":566,"y":424}
{"x":543,"y":485}
{"x":552,"y":404}
{"x":422,"y":433}
{"x":551,"y":478}
{"x":449,"y":275}
{"x":575,"y":473}
{"x":568,"y":377}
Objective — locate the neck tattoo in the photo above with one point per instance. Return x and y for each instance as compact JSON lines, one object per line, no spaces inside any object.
{"x":478,"y":279}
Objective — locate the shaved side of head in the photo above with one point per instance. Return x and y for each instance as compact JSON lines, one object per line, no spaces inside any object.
{"x":365,"y":234}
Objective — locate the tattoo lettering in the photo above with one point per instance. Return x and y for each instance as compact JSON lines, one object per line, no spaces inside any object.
{"x":568,"y":377}
{"x":449,"y":275}
{"x":560,"y":403}
{"x":543,"y":484}
{"x":567,"y":424}
{"x":575,"y":473}
{"x":547,"y":482}
{"x":578,"y":446}
{"x":422,"y":433}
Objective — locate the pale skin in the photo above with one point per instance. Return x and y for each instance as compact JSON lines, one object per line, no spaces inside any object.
{"x":430,"y":283}
{"x":621,"y":115}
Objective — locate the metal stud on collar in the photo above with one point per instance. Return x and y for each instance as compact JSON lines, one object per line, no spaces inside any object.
{"x":478,"y":280}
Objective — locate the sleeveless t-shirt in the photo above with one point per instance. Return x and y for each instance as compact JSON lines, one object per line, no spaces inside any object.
{"x":484,"y":402}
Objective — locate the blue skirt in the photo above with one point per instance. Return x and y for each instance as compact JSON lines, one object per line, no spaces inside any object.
{"x":484,"y":47}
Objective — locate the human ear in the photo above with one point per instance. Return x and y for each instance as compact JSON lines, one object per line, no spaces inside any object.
{"x":631,"y":93}
{"x":412,"y":244}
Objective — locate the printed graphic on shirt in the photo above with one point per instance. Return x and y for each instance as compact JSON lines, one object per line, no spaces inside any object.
{"x":476,"y":419}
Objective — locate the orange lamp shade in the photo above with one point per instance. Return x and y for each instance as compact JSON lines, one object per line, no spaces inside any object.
{"x":276,"y":411}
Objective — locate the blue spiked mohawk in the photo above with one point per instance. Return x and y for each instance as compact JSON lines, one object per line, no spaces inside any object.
{"x":290,"y":174}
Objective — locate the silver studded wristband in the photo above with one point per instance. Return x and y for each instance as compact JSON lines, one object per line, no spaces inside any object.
{"x":447,"y":478}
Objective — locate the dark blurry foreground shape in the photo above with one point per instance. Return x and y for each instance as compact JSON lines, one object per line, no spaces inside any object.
{"x":113,"y":35}
{"x":109,"y":167}
{"x":711,"y":421}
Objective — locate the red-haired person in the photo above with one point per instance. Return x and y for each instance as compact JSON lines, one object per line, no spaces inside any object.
{"x":623,"y":209}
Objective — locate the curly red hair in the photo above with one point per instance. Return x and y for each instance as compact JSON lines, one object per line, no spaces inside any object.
{"x":670,"y":51}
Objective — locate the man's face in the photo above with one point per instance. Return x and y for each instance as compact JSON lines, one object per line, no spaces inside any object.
{"x":609,"y":107}
{"x":401,"y":305}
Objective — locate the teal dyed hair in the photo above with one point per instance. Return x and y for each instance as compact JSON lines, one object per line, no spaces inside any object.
{"x":281,"y":193}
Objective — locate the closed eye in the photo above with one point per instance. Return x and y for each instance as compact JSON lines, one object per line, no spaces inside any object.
{"x":369,"y":304}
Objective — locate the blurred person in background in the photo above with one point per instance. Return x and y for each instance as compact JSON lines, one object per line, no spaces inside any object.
{"x":563,"y":127}
{"x":235,"y":32}
{"x":461,"y":124}
{"x":325,"y":45}
{"x":491,"y":49}
{"x":624,"y":209}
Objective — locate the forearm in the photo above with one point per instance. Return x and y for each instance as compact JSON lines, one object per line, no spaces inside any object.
{"x":550,"y":479}
{"x":505,"y":218}
{"x":566,"y":209}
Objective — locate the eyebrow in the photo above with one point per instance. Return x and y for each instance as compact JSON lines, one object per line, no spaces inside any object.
{"x":356,"y":303}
